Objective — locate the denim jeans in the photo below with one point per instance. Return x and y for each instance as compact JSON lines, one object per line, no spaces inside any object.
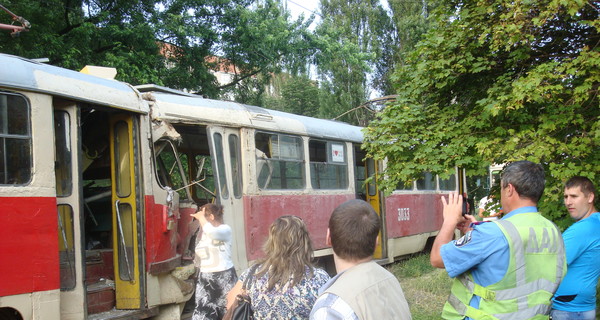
{"x":566,"y":315}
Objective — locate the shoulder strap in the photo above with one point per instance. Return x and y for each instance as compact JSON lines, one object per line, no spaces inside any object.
{"x":249,"y":277}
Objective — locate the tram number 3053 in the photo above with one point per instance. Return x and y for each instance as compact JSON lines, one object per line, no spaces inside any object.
{"x":403,"y":214}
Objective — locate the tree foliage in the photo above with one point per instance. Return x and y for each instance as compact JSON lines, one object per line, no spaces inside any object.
{"x":411,"y":23}
{"x":496,"y":81}
{"x":409,"y":19}
{"x":295,"y":94}
{"x":169,"y":43}
{"x":352,"y":35}
{"x":375,"y":39}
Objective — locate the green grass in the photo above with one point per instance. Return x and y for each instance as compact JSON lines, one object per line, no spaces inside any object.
{"x":426,"y":288}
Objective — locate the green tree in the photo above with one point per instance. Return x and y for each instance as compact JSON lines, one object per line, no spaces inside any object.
{"x":295,"y":94}
{"x":497,"y":81}
{"x":382,"y":36}
{"x":264,"y":42}
{"x":169,"y":43}
{"x":354,"y":33}
{"x":411,"y":23}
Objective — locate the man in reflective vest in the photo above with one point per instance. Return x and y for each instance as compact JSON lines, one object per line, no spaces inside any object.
{"x":505,"y":269}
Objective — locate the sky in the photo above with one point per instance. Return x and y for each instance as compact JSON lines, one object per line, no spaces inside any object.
{"x":297,"y":7}
{"x":307,"y":7}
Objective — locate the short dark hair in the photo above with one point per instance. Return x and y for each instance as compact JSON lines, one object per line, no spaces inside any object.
{"x":586,"y":185}
{"x":353,"y":228}
{"x":214,"y":209}
{"x":527,"y":177}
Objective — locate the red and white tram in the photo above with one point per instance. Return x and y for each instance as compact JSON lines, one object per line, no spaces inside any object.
{"x":98,"y":178}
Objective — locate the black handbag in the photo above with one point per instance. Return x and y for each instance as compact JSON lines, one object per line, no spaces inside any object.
{"x":242,"y":306}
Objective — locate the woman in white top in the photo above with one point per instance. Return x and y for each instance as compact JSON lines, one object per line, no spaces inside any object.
{"x":217,"y":274}
{"x":489,"y":209}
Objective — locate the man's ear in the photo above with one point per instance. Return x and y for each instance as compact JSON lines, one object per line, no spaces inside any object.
{"x":511,"y":190}
{"x":328,"y":238}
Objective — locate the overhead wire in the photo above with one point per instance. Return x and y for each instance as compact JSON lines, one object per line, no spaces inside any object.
{"x":305,"y":8}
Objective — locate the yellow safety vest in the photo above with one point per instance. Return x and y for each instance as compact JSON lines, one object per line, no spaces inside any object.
{"x":537,"y":265}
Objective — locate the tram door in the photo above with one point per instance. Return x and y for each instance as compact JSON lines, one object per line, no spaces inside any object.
{"x":364,"y":169}
{"x":374,"y":198}
{"x":126,"y":229}
{"x":225,"y":144}
{"x":66,"y":159}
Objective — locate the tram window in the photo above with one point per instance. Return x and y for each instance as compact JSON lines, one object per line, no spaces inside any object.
{"x":183,"y":159}
{"x":328,"y":165}
{"x":495,"y":176}
{"x":122,"y":159}
{"x":279,"y":161}
{"x":426,"y":181}
{"x":372,"y":187}
{"x":402,"y":185}
{"x":66,"y":247}
{"x":167,"y":168}
{"x":478,"y":186}
{"x":125,"y":241}
{"x":360,"y":171}
{"x":64,"y":170}
{"x":221,"y":165}
{"x":15,"y":140}
{"x":205,"y":177}
{"x":448,"y":184}
{"x":236,"y":167}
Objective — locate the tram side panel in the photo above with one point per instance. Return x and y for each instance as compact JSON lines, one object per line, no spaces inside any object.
{"x":314,"y":209}
{"x":414,"y":212}
{"x":29,"y":272}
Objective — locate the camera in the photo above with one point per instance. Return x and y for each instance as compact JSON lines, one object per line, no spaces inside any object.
{"x":465,"y":206}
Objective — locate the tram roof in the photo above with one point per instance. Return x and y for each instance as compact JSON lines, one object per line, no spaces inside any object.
{"x":30,"y":75}
{"x":196,"y":109}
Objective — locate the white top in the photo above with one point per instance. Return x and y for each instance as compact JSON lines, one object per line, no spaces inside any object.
{"x":214,"y":248}
{"x":487,"y":204}
{"x":484,"y":203}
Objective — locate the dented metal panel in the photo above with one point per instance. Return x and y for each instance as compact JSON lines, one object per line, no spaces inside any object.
{"x":20,"y":73}
{"x":195,"y":109}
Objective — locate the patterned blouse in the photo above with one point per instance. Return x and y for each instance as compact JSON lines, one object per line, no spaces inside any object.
{"x":292,"y":303}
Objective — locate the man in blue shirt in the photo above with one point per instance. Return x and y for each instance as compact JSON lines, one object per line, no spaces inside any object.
{"x":576,"y":296}
{"x":501,"y":274}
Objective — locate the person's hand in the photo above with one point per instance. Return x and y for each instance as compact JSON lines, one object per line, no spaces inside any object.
{"x":452,"y":208}
{"x":496,"y":214}
{"x":465,"y":225}
{"x":452,"y":212}
{"x":200,"y":215}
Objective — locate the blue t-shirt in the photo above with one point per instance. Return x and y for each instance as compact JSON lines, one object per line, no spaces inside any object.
{"x":484,"y":251}
{"x":582,"y":245}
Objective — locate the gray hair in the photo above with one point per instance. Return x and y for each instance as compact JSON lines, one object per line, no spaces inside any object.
{"x":527,"y":178}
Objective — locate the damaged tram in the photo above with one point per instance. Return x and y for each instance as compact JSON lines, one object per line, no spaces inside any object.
{"x":98,"y":179}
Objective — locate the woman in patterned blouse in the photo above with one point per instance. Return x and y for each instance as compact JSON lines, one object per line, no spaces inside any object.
{"x":285,"y":284}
